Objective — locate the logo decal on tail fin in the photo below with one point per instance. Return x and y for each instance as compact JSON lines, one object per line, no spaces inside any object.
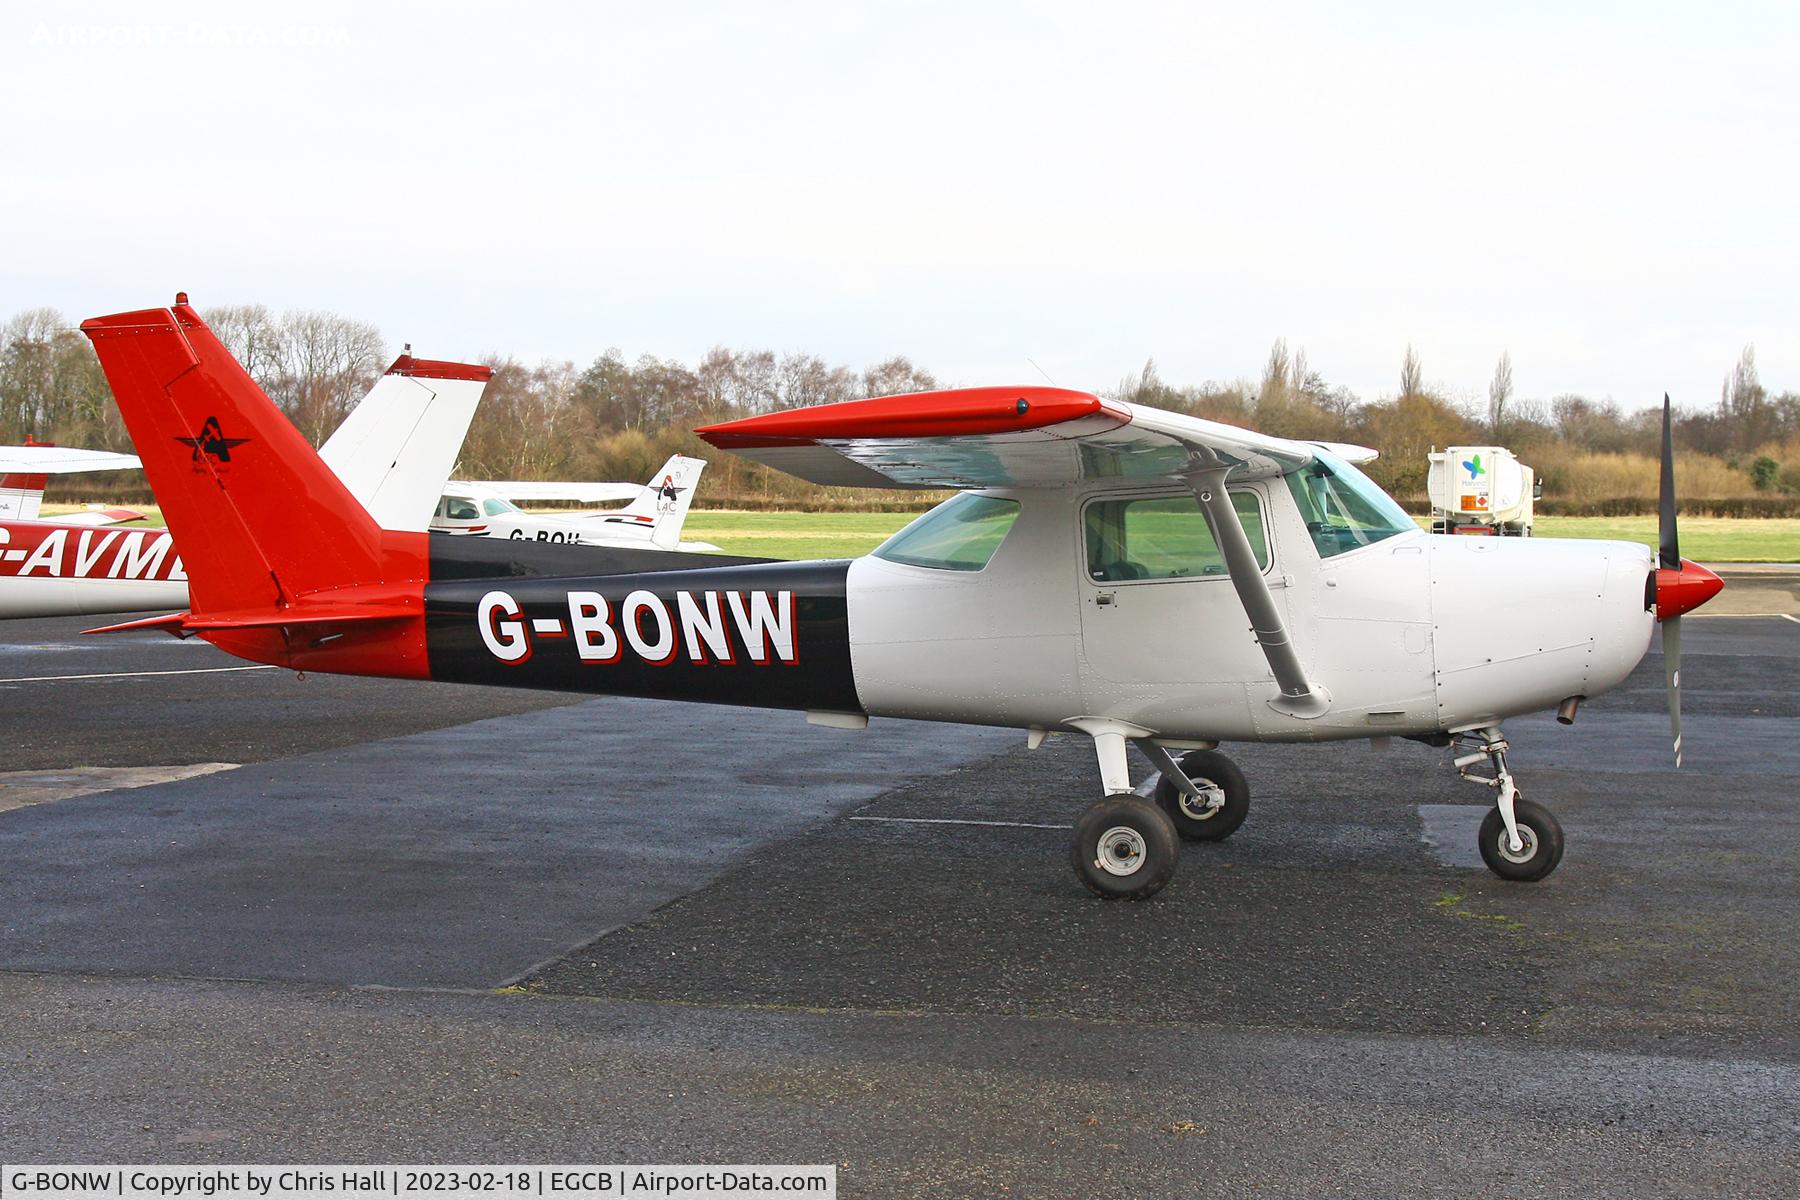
{"x":212,"y":442}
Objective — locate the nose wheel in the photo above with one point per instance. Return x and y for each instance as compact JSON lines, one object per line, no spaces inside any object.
{"x":1540,"y":842}
{"x":1519,"y":840}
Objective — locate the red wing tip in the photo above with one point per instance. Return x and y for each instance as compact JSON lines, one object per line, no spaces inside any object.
{"x":432,"y":368}
{"x":959,"y":412}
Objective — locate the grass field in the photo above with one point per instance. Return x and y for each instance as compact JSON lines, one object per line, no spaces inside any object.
{"x":832,"y":535}
{"x":844,"y":535}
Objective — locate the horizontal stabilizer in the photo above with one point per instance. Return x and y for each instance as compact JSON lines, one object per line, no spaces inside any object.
{"x":296,"y":616}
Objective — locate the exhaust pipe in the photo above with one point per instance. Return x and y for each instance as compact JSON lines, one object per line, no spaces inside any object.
{"x":1565,"y":712}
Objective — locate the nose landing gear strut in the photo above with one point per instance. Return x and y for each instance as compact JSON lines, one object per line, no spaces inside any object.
{"x":1519,"y":840}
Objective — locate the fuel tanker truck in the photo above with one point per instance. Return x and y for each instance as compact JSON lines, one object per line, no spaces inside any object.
{"x":1481,"y":490}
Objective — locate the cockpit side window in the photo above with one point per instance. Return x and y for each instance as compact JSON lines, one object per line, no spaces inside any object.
{"x":1163,"y":537}
{"x":461,"y":508}
{"x":961,"y":534}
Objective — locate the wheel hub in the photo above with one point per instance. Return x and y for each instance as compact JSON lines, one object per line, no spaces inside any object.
{"x":1527,"y":848}
{"x":1204,"y":806}
{"x":1122,"y":851}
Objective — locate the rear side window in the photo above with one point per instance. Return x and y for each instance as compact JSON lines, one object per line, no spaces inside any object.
{"x":961,"y":534}
{"x":1163,"y":537}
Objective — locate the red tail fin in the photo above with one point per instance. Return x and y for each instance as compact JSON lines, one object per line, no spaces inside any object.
{"x":260,"y":520}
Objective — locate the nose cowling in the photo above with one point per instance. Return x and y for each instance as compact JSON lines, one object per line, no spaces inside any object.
{"x":1682,"y":589}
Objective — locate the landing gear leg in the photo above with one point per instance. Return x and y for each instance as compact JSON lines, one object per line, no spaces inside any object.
{"x":1125,"y":847}
{"x":1519,"y":840}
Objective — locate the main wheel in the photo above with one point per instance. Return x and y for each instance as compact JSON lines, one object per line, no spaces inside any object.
{"x":1540,"y":833}
{"x":1218,"y":815}
{"x":1125,"y":848}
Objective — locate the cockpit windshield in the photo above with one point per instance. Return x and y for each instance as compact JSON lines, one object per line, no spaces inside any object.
{"x":1343,"y":508}
{"x":961,"y":534}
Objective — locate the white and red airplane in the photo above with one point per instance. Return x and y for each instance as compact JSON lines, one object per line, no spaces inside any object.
{"x":392,"y":452}
{"x":1129,"y":574}
{"x":25,"y":472}
{"x":652,"y":520}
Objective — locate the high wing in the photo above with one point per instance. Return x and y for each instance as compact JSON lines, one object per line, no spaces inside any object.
{"x":1040,"y":437}
{"x":62,"y":460}
{"x":998,"y":437}
{"x":582,"y":493}
{"x":25,"y":471}
{"x":1356,"y":456}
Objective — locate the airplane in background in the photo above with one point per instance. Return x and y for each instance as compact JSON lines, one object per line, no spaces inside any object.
{"x":392,"y":452}
{"x":25,"y":472}
{"x":1136,"y":576}
{"x":652,"y":520}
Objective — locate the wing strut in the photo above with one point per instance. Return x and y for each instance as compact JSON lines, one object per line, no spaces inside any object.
{"x":1300,"y":697}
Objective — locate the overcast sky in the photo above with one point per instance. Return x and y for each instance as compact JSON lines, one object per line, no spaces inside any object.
{"x":1613,"y":197}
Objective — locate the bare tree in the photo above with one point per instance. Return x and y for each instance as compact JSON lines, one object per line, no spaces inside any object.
{"x":327,"y":363}
{"x":896,"y":377}
{"x":1744,"y":405}
{"x":253,"y":336}
{"x":1277,"y":374}
{"x":1412,"y":375}
{"x":1499,"y":392}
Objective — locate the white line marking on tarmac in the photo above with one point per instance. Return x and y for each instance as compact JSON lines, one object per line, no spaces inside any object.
{"x":1789,"y":617}
{"x":139,"y":674}
{"x":959,"y":821}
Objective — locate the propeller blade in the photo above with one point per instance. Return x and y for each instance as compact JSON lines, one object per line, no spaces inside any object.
{"x":1671,"y":635}
{"x":1670,"y":549}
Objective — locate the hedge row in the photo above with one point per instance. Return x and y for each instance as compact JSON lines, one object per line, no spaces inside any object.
{"x":79,"y":490}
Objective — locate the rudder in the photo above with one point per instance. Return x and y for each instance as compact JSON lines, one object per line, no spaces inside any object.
{"x":260,"y":518}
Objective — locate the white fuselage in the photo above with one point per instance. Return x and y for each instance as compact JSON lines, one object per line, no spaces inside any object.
{"x":1412,"y":634}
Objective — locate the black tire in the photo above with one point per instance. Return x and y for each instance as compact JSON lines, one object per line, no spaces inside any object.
{"x":1125,"y":848}
{"x":1538,"y":829}
{"x":1206,"y":767}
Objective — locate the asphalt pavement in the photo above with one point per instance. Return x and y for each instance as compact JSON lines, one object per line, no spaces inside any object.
{"x":425,"y":922}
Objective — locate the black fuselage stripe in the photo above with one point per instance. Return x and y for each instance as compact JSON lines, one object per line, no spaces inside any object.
{"x":617,"y":622}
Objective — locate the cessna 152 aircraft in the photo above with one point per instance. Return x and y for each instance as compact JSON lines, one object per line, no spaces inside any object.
{"x":1133,"y":575}
{"x":652,"y":520}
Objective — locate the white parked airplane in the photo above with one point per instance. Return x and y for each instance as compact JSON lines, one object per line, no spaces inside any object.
{"x":25,"y":471}
{"x":652,"y":521}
